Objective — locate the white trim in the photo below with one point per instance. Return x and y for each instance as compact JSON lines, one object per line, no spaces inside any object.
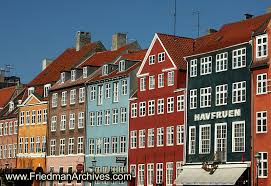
{"x":200,"y":138}
{"x":102,"y":155}
{"x":33,"y":155}
{"x":179,"y":90}
{"x":28,"y":99}
{"x":233,"y":127}
{"x":143,"y":75}
{"x":169,"y":69}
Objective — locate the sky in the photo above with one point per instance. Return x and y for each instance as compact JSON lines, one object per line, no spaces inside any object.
{"x":32,"y":30}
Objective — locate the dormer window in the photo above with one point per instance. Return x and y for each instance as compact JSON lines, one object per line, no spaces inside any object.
{"x":73,"y":74}
{"x":11,"y":106}
{"x":105,"y":70}
{"x":62,"y":77}
{"x":161,"y":57}
{"x":85,"y":72}
{"x":31,"y":90}
{"x":46,"y":89}
{"x":261,"y":46}
{"x":122,"y":66}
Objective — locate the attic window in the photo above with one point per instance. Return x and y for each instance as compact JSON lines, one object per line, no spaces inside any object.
{"x":105,"y":70}
{"x":261,"y":46}
{"x":73,"y":74}
{"x":46,"y":89}
{"x":85,"y":72}
{"x":62,"y":77}
{"x":31,"y":90}
{"x":11,"y":106}
{"x":161,"y":57}
{"x":122,"y":66}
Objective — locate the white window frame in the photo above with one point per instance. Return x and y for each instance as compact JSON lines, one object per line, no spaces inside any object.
{"x":161,"y":80}
{"x":160,"y":106}
{"x":116,"y":92}
{"x":263,"y":165}
{"x":143,"y":84}
{"x":124,"y":87}
{"x":221,"y":95}
{"x":238,"y":90}
{"x":72,"y":96}
{"x":205,"y":97}
{"x":141,"y":174}
{"x":180,"y":135}
{"x":151,"y":137}
{"x":170,"y":136}
{"x":150,"y":174}
{"x":193,"y":99}
{"x":53,"y":123}
{"x":161,"y":57}
{"x":193,"y":68}
{"x":122,"y":66}
{"x":233,"y":136}
{"x":151,"y":59}
{"x":261,"y":122}
{"x":180,"y":103}
{"x":100,"y":95}
{"x":133,"y":141}
{"x":261,"y":46}
{"x":142,"y":109}
{"x":170,"y":78}
{"x":72,"y":121}
{"x":142,"y":138}
{"x":63,"y":123}
{"x":151,"y":107}
{"x":105,"y":70}
{"x":261,"y":84}
{"x":160,"y":137}
{"x":206,"y":65}
{"x":92,"y":93}
{"x":170,"y":104}
{"x":46,"y":89}
{"x":81,"y":120}
{"x":82,"y":95}
{"x":152,"y":82}
{"x":73,"y":74}
{"x":64,"y":98}
{"x":222,"y":62}
{"x":236,"y":55}
{"x":159,"y":173}
{"x":107,"y":117}
{"x":204,"y":143}
{"x":192,"y":140}
{"x":133,"y":110}
{"x":169,"y":173}
{"x":123,"y":115}
{"x":85,"y":72}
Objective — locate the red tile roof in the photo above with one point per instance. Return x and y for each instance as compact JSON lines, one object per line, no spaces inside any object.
{"x":177,"y":47}
{"x":6,"y":94}
{"x":232,"y":34}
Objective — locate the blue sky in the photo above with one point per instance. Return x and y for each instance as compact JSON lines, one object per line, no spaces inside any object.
{"x":33,"y":30}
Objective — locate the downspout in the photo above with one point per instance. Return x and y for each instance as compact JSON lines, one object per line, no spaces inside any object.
{"x":185,"y":113}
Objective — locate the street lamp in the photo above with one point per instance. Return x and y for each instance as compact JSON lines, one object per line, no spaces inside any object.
{"x":257,"y":157}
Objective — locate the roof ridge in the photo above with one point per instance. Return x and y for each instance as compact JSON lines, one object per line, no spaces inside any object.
{"x":182,"y":37}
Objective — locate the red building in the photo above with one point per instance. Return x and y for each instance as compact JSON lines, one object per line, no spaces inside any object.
{"x":157,"y":120}
{"x":261,"y":97}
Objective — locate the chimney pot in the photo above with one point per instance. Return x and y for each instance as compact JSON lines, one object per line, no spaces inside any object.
{"x":268,"y":10}
{"x":82,"y":38}
{"x":248,"y":16}
{"x":45,"y":63}
{"x":211,"y":30}
{"x":119,"y":40}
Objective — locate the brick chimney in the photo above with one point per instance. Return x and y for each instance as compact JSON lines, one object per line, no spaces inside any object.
{"x":268,"y":10}
{"x":45,"y":63}
{"x":211,"y":30}
{"x":118,"y":40}
{"x":82,"y":38}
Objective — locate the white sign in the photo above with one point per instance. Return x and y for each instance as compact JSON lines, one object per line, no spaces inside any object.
{"x":217,"y":115}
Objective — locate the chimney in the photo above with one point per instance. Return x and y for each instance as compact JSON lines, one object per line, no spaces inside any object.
{"x":45,"y":63}
{"x":268,"y":10}
{"x":248,"y":16}
{"x":211,"y":30}
{"x":82,"y":38}
{"x":118,"y":40}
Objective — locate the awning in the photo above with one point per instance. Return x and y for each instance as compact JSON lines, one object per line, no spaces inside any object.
{"x":226,"y":174}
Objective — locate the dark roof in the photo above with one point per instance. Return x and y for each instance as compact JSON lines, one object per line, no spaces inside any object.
{"x":6,"y":94}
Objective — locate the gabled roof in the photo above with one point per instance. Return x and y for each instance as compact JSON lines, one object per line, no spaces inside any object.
{"x":6,"y":94}
{"x":232,"y":34}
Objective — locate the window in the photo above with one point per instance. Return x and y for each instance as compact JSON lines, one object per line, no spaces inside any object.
{"x":43,"y":144}
{"x":151,"y":110}
{"x":80,"y":145}
{"x":121,"y":66}
{"x":133,"y":142}
{"x":170,"y":136}
{"x":151,"y":82}
{"x":14,"y":151}
{"x":11,"y":106}
{"x":72,"y":96}
{"x":85,"y":72}
{"x":143,"y":84}
{"x":239,"y":58}
{"x":262,"y":83}
{"x":141,"y":176}
{"x":20,"y":150}
{"x":72,"y":121}
{"x":151,"y":137}
{"x":221,"y":62}
{"x":6,"y":129}
{"x":92,"y":118}
{"x":261,"y":46}
{"x":26,"y":145}
{"x":63,"y":122}
{"x":134,"y":110}
{"x":133,"y":170}
{"x":5,"y":152}
{"x":46,"y":89}
{"x":141,"y":138}
{"x":206,"y":65}
{"x":115,"y":92}
{"x":99,"y":118}
{"x":122,"y":144}
{"x":64,"y":98}
{"x":180,"y":103}
{"x":105,"y":70}
{"x":161,"y":57}
{"x":192,"y":140}
{"x":31,"y":90}
{"x":10,"y":128}
{"x":151,"y":59}
{"x":21,"y":117}
{"x":44,"y":115}
{"x":106,"y":145}
{"x":114,"y":144}
{"x":92,"y":93}
{"x":53,"y":147}
{"x":54,"y":100}
{"x":71,"y":146}
{"x":159,"y":173}
{"x":160,"y":137}
{"x":170,"y":78}
{"x":38,"y":144}
{"x":180,"y":134}
{"x":178,"y":168}
{"x":124,"y":87}
{"x":27,"y":117}
{"x":62,"y":77}
{"x":81,"y":120}
{"x":39,"y":116}
{"x":160,"y":80}
{"x":10,"y":150}
{"x":73,"y":73}
{"x":193,"y":68}
{"x":150,"y":174}
{"x":142,"y":109}
{"x":107,"y":117}
{"x":123,"y":115}
{"x":82,"y":95}
{"x":204,"y":139}
{"x":221,"y":139}
{"x":1,"y":151}
{"x":100,"y":95}
{"x":53,"y":123}
{"x":91,"y":146}
{"x":160,"y":106}
{"x":205,"y":97}
{"x":32,"y":144}
{"x":107,"y":90}
{"x":169,"y":173}
{"x":261,"y":121}
{"x":238,"y":141}
{"x":263,"y":165}
{"x":115,"y":116}
{"x":170,"y":105}
{"x":221,"y":95}
{"x":60,"y":172}
{"x":15,"y":127}
{"x":239,"y":92}
{"x":1,"y":129}
{"x":193,"y":99}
